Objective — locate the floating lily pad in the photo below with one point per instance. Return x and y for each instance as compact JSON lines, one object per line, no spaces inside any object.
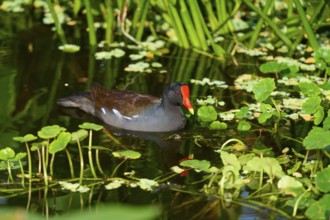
{"x":60,"y":142}
{"x":207,"y":113}
{"x":127,"y":154}
{"x":198,"y":165}
{"x":147,"y":184}
{"x":26,"y":138}
{"x":273,"y":67}
{"x":91,"y":126}
{"x":263,"y":89}
{"x":114,"y":184}
{"x":69,"y":48}
{"x":7,"y":153}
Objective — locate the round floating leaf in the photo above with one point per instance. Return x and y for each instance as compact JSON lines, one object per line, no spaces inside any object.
{"x":207,"y":113}
{"x":127,"y":154}
{"x":317,"y":138}
{"x":198,"y":165}
{"x":26,"y":138}
{"x":7,"y":153}
{"x":50,"y":131}
{"x":263,"y":89}
{"x":60,"y":143}
{"x":69,"y":48}
{"x":309,"y":88}
{"x":311,"y":104}
{"x":322,"y":180}
{"x":217,"y":125}
{"x":244,"y":126}
{"x":91,"y":126}
{"x":79,"y":135}
{"x":273,"y":67}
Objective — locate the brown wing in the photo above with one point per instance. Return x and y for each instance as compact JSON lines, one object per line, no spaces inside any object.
{"x":128,"y":103}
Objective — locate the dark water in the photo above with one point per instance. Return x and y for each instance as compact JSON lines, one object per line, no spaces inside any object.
{"x":34,"y":74}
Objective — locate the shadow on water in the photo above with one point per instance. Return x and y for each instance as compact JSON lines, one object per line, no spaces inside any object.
{"x":35,"y":74}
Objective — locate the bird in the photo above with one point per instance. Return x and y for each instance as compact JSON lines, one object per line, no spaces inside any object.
{"x":134,"y":111}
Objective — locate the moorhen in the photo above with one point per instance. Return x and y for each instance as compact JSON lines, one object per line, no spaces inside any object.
{"x":135,"y":111}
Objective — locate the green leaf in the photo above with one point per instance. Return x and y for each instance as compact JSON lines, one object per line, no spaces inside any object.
{"x":243,"y":112}
{"x":36,"y":146}
{"x":319,"y":115}
{"x":217,"y":125}
{"x":267,"y":112}
{"x":317,"y":138}
{"x":309,"y":88}
{"x":263,"y":89}
{"x":50,"y":131}
{"x":26,"y":138}
{"x":269,"y":165}
{"x":311,"y":104}
{"x":326,"y":122}
{"x":127,"y":154}
{"x":287,"y":184}
{"x":207,"y":113}
{"x":273,"y":67}
{"x":91,"y":126}
{"x":322,"y":180}
{"x":319,"y":209}
{"x":230,"y":159}
{"x":60,"y":143}
{"x":244,"y":126}
{"x":20,"y":156}
{"x":7,"y":153}
{"x":198,"y":165}
{"x":79,"y":135}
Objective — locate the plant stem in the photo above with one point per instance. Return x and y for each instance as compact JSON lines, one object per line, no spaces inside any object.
{"x":90,"y":22}
{"x":30,"y":175}
{"x":258,"y":26}
{"x":98,"y":162}
{"x":52,"y":164}
{"x":10,"y":176}
{"x":117,"y":167}
{"x":22,"y":173}
{"x":58,"y":26}
{"x":90,"y":156}
{"x":44,"y":165}
{"x":81,"y":162}
{"x":70,"y":162}
{"x":271,"y":24}
{"x":309,"y":31}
